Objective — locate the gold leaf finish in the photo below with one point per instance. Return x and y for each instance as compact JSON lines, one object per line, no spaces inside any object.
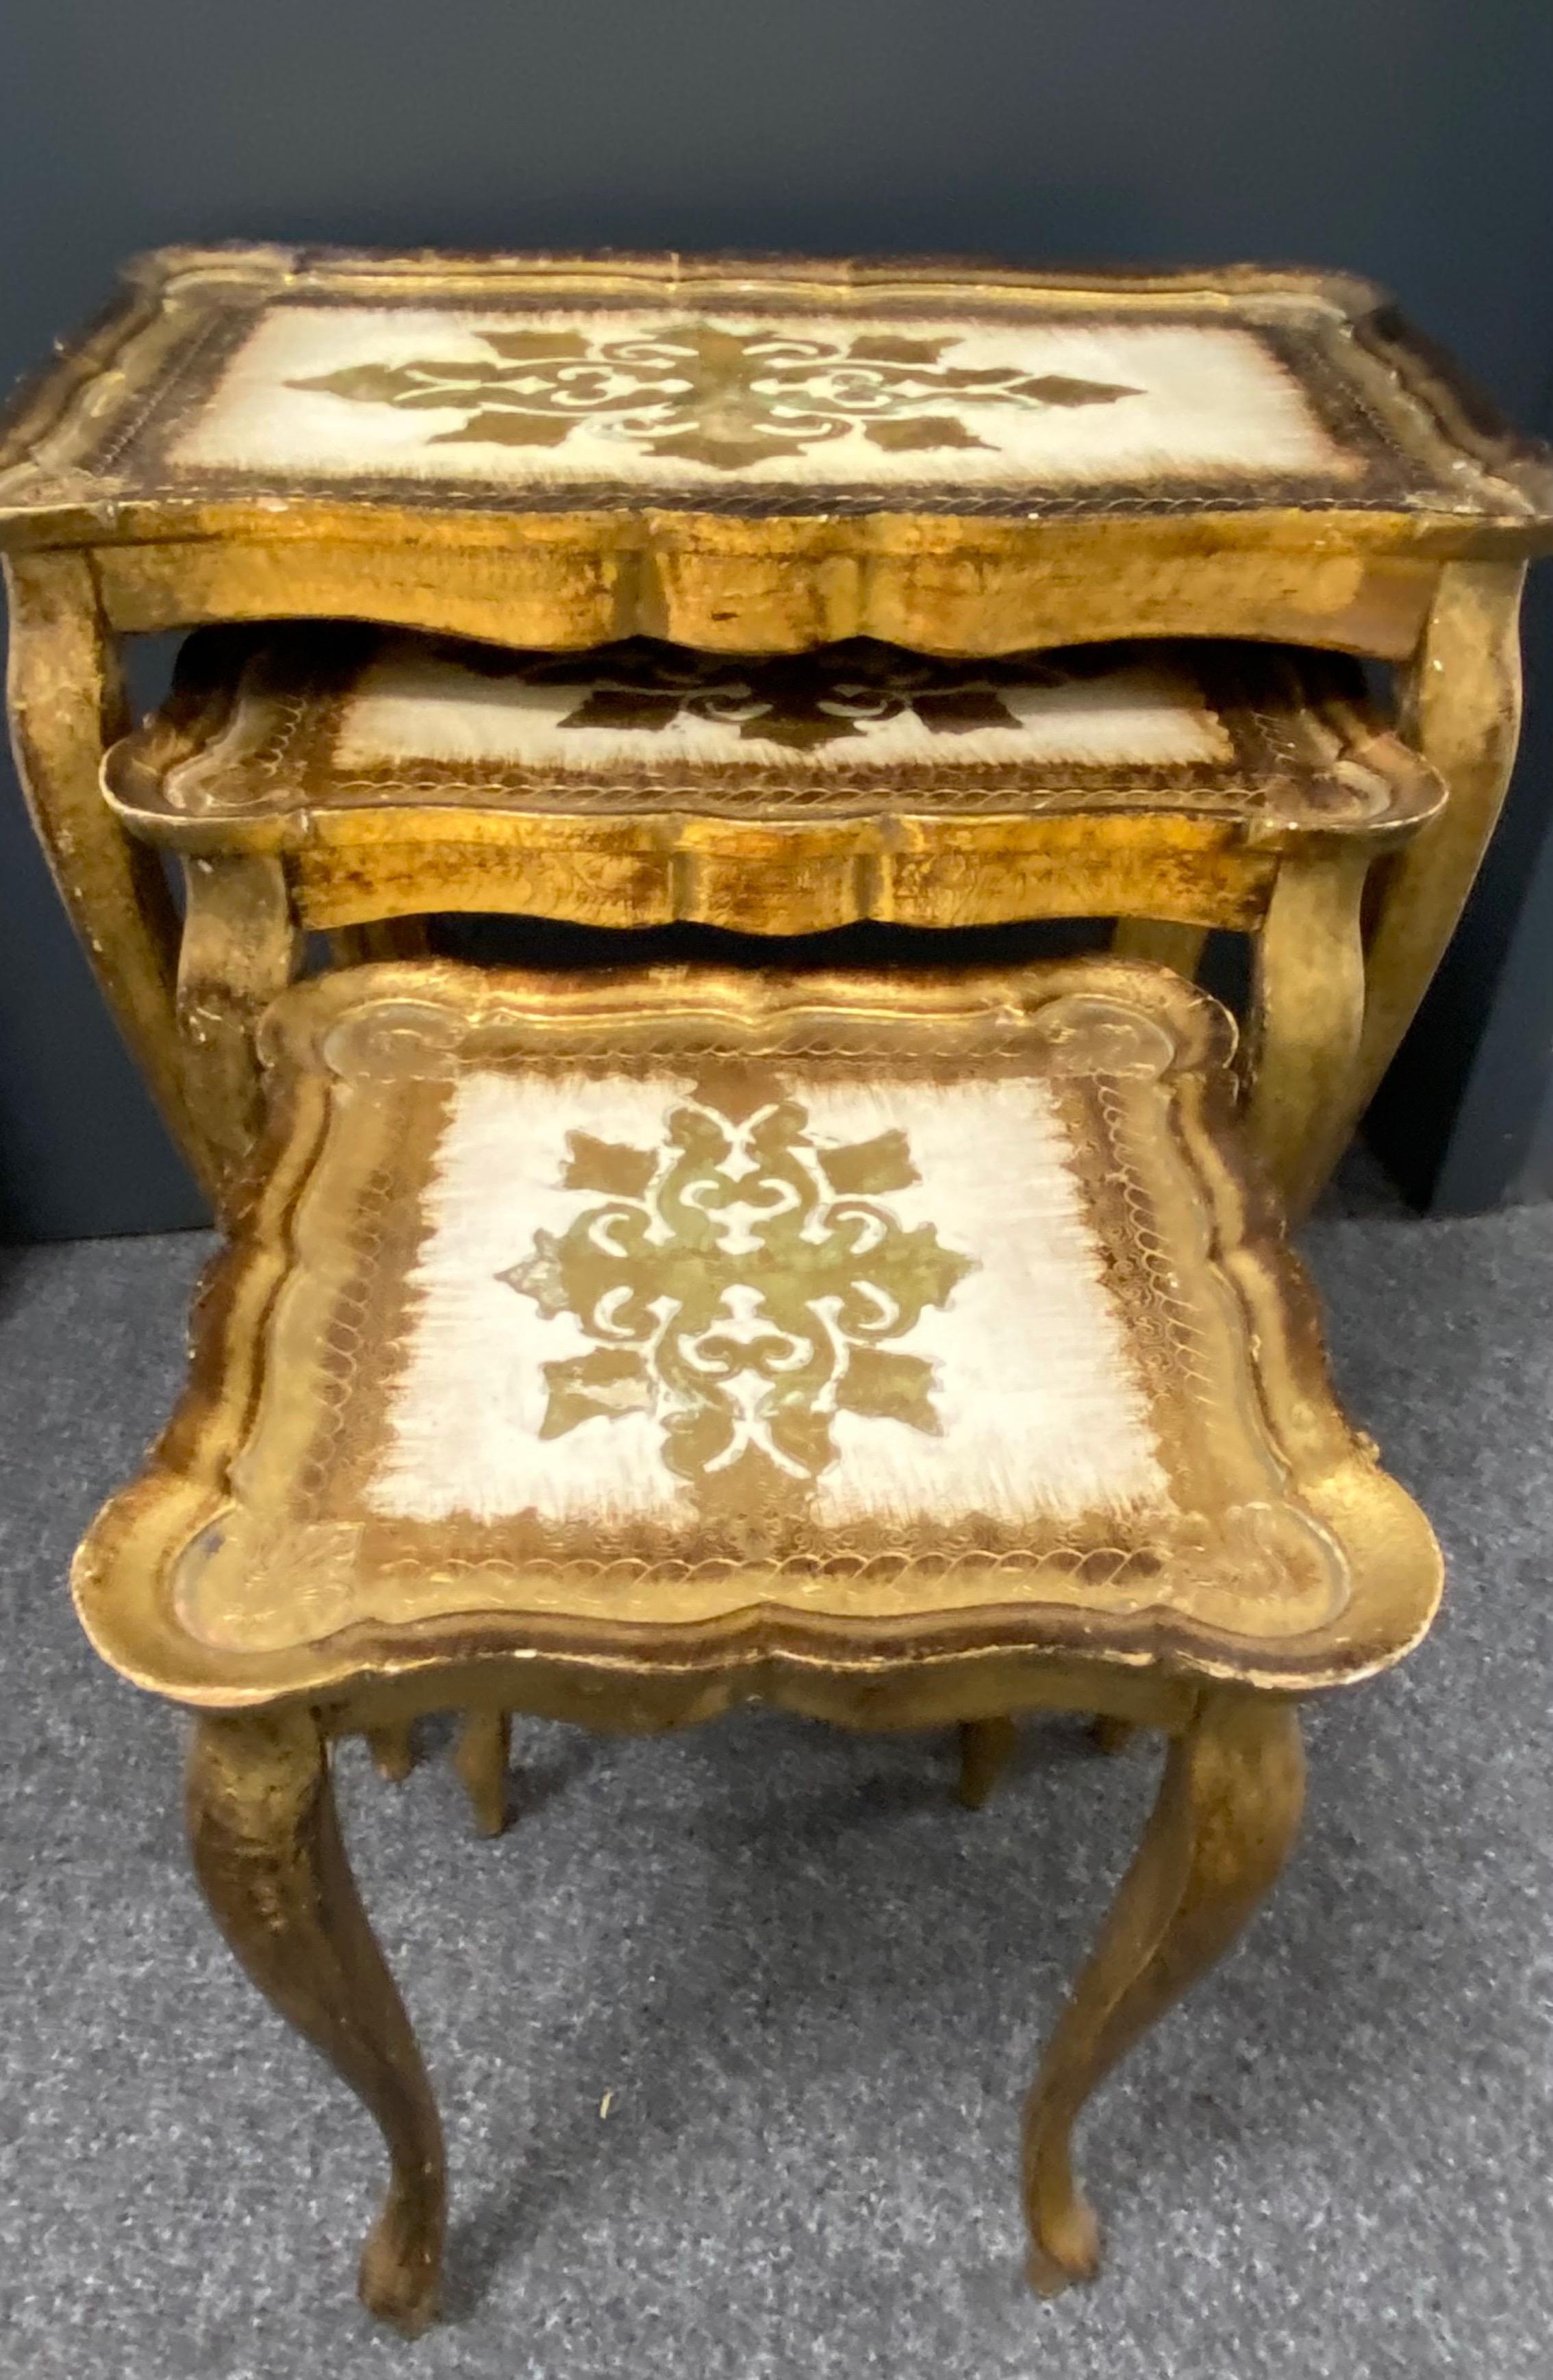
{"x":737,"y":1307}
{"x":908,"y":1351}
{"x":790,"y":795}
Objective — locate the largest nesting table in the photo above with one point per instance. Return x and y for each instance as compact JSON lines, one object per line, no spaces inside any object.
{"x":555,"y":452}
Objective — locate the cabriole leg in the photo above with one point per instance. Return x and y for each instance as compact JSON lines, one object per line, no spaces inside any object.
{"x":1227,"y":1815}
{"x":1460,"y":707}
{"x":985,"y":1749}
{"x":268,"y":1855}
{"x":240,"y":948}
{"x":1162,"y":943}
{"x":1307,"y":1014}
{"x":481,"y":1758}
{"x":67,"y":704}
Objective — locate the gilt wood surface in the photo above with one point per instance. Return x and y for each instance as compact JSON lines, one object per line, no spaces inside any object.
{"x":752,"y":455}
{"x":963,"y":460}
{"x":369,"y":777}
{"x":1227,"y":1815}
{"x":643,"y":784}
{"x":976,"y":1349}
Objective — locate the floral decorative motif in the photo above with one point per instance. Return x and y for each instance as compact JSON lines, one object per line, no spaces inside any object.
{"x":707,"y":393}
{"x":742,"y":1282}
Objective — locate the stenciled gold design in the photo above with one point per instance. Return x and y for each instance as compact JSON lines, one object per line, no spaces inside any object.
{"x":743,"y":1283}
{"x":707,"y":394}
{"x":783,"y":699}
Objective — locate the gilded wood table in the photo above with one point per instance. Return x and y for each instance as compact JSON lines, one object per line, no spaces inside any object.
{"x":901,"y":1349}
{"x":336,"y":779}
{"x":553,"y":452}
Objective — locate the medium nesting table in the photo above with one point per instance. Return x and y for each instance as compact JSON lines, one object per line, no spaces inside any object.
{"x":337,"y":780}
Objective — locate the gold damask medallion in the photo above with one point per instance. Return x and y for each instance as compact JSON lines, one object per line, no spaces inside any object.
{"x":707,"y":394}
{"x":743,"y":1284}
{"x":783,"y":697}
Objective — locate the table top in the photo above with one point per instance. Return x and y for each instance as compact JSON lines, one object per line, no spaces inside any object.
{"x":268,"y":389}
{"x":715,"y":1327}
{"x":271,"y":736}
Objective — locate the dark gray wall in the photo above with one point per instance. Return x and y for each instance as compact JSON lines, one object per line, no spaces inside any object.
{"x":1412,"y":139}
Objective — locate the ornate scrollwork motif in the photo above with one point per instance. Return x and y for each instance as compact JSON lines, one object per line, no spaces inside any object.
{"x":743,"y":1284}
{"x":707,"y":394}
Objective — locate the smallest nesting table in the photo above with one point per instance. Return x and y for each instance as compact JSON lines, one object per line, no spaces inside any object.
{"x":901,"y":1349}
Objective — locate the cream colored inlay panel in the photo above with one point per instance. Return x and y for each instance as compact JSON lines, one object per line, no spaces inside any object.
{"x":909,"y":1314}
{"x":676,"y":399}
{"x":415,"y":706}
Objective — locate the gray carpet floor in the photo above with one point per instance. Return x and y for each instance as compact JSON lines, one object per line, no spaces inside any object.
{"x":810,"y":1987}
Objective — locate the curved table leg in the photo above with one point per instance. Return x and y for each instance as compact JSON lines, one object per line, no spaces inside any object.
{"x":481,"y":1756}
{"x":241,"y":946}
{"x":1227,"y":1815}
{"x":268,"y":1855}
{"x":1461,"y":707}
{"x":67,"y":704}
{"x":985,"y":1749}
{"x":392,"y":1750}
{"x":1161,"y":943}
{"x":1307,"y":1014}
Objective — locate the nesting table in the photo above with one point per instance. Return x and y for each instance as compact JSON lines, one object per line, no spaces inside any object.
{"x":908,"y":1347}
{"x":740,"y":457}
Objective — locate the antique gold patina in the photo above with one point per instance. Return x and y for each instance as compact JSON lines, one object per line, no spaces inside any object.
{"x":913,"y":1351}
{"x":286,"y":1569}
{"x":1394,"y":519}
{"x":368,"y":777}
